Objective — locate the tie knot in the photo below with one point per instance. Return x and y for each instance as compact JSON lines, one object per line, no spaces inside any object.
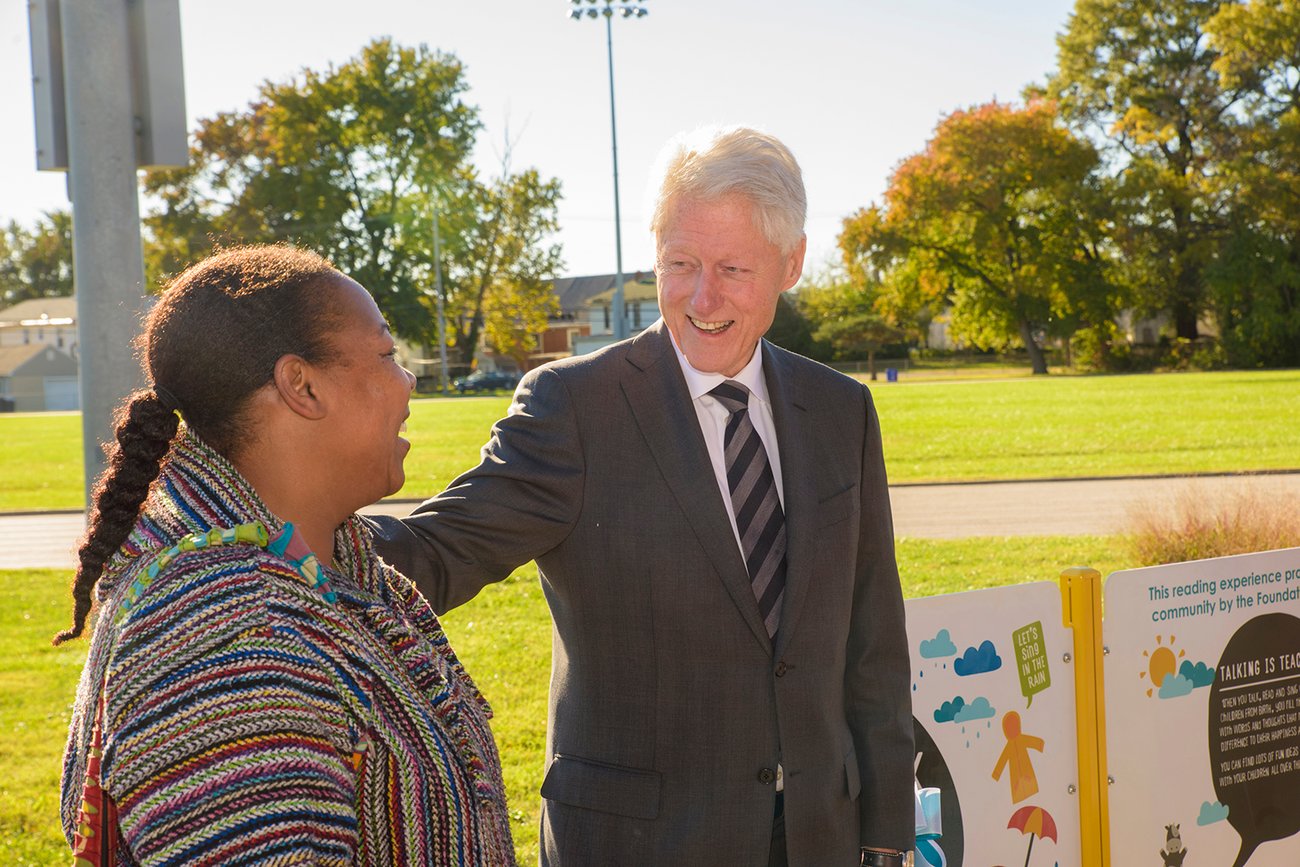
{"x":732,"y":395}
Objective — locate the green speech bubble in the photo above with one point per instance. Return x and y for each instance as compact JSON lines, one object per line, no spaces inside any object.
{"x":1031,"y":660}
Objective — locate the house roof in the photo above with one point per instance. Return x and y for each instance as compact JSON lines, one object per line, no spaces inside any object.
{"x":13,"y":358}
{"x":575,"y":292}
{"x":60,"y":311}
{"x":632,"y":291}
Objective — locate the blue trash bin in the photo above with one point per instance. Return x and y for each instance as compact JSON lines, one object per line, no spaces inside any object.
{"x":891,"y":374}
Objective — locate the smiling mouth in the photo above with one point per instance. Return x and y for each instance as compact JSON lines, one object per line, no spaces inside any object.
{"x":711,"y":327}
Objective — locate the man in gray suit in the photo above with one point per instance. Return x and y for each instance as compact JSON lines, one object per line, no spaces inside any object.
{"x":710,"y":518}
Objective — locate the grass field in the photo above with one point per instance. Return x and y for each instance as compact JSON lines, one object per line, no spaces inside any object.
{"x":503,"y":637}
{"x":968,"y":430}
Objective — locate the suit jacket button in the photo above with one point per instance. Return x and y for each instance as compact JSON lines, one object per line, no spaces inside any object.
{"x":767,"y":776}
{"x":780,"y":668}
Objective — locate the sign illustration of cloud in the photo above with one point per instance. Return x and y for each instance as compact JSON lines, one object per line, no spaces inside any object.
{"x":1175,"y":686}
{"x":977,"y":709}
{"x":978,"y":660}
{"x":938,"y":647}
{"x":1199,"y":674}
{"x":1211,"y":812}
{"x":947,"y":711}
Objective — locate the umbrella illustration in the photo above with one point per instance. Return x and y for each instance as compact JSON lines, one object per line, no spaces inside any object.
{"x":1036,"y":822}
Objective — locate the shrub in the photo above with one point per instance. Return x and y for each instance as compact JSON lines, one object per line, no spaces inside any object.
{"x":1203,"y":353}
{"x":1100,"y":349}
{"x":1195,"y":525}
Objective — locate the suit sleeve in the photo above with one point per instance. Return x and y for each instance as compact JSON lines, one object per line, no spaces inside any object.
{"x":518,"y":503}
{"x":878,"y":672}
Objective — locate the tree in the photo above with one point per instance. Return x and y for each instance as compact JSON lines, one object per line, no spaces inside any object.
{"x":1140,"y":77}
{"x":845,"y":317}
{"x":1001,"y":216}
{"x":508,"y":271}
{"x":348,"y":162}
{"x":790,"y":329}
{"x":36,"y":262}
{"x":1255,"y":279}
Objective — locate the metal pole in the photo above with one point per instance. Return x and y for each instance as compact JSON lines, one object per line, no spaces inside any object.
{"x":620,"y":314}
{"x":106,"y":251}
{"x":437,"y":283}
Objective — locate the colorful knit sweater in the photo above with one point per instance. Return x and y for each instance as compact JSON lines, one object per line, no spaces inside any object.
{"x":252,"y":717}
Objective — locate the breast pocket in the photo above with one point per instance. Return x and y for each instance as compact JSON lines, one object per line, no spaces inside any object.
{"x":838,"y":506}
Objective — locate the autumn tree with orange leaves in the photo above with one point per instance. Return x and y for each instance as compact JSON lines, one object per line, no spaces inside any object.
{"x":1002,"y":217}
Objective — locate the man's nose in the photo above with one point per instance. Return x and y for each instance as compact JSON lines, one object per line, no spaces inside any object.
{"x":708,"y":292}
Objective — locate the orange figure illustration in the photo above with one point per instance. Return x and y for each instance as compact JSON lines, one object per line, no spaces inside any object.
{"x":1016,"y":754}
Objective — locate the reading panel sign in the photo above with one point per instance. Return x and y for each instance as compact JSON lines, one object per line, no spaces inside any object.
{"x":994,"y":709}
{"x":1203,"y":709}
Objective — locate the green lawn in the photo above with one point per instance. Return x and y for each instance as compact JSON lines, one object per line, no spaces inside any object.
{"x":503,"y":637}
{"x":1073,"y":426}
{"x":1023,"y":428}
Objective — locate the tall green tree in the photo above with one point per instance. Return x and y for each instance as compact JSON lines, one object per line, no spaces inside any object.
{"x":1001,"y":216}
{"x":1140,"y":77}
{"x":36,"y":261}
{"x":352,"y":162}
{"x":1255,"y":280}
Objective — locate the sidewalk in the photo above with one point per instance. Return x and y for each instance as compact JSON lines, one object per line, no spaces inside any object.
{"x":1046,"y":508}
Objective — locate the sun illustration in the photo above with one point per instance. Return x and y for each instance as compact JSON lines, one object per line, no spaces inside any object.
{"x":1161,"y":663}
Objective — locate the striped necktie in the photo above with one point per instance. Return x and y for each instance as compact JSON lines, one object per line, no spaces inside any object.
{"x":754,"y":501}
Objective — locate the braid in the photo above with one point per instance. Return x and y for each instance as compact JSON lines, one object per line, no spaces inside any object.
{"x":144,"y":431}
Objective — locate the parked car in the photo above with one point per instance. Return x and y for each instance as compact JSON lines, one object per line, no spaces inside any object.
{"x":485,"y":380}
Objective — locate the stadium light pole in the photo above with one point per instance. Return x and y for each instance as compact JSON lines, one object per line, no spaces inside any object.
{"x":627,"y":9}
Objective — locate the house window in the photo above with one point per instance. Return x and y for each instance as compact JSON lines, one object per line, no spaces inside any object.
{"x":607,"y":322}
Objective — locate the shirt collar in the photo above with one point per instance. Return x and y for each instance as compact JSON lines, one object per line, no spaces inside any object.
{"x":700,"y":384}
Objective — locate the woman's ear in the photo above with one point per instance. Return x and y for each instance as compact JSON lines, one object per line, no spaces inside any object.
{"x":296,"y":381}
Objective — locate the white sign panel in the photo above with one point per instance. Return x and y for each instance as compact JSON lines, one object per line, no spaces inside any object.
{"x":993,"y":700}
{"x":1203,"y":711}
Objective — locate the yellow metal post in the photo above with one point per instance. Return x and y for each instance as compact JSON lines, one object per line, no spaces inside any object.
{"x":1081,"y":613}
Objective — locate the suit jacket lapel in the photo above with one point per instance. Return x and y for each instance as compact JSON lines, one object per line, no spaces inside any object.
{"x":656,"y":391}
{"x":797,"y":441}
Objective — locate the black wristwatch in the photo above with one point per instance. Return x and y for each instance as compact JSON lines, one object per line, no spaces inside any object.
{"x":876,"y":858}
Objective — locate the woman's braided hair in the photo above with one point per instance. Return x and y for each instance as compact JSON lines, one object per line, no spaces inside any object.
{"x":209,"y":344}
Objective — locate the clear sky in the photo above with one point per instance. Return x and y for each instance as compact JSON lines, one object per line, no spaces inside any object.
{"x":852,"y":86}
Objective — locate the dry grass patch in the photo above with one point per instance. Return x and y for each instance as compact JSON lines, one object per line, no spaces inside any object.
{"x":1259,"y":515}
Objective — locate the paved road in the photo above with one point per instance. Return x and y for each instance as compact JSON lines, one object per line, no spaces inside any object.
{"x":1090,"y":506}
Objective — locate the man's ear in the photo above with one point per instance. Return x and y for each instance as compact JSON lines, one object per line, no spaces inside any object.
{"x":794,"y":264}
{"x":296,"y":381}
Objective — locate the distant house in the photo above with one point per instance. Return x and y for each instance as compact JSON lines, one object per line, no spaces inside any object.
{"x":583,"y":324}
{"x":38,"y":355}
{"x":41,"y":321}
{"x":37,"y":376}
{"x":640,"y":308}
{"x":585,"y":321}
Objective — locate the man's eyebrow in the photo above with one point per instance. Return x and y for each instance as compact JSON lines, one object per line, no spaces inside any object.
{"x":384,"y":329}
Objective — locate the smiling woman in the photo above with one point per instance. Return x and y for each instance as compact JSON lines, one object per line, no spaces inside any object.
{"x":259,"y":684}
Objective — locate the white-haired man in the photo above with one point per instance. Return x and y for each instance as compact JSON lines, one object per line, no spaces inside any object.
{"x":710,"y":518}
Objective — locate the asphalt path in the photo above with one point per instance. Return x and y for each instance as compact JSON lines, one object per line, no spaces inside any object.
{"x":1034,"y":508}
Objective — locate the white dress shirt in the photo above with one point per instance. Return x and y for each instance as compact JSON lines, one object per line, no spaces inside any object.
{"x":713,"y":421}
